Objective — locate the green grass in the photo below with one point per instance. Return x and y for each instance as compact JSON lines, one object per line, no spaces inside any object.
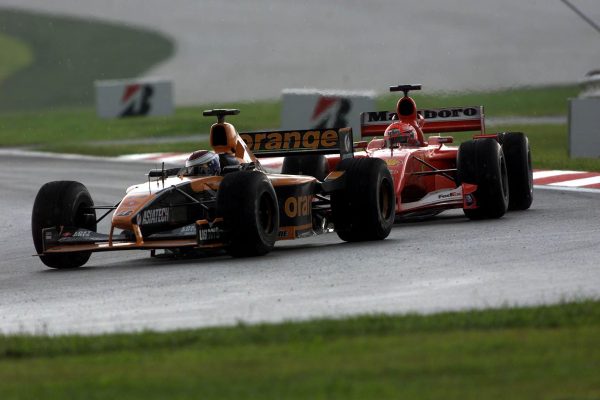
{"x":519,"y":101}
{"x":72,"y":130}
{"x":549,"y":146}
{"x":518,"y":353}
{"x":14,"y":55}
{"x":69,"y":54}
{"x":78,"y":125}
{"x":68,"y":126}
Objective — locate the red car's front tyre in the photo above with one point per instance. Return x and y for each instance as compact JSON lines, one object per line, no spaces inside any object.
{"x":482,"y":162}
{"x":520,"y":172}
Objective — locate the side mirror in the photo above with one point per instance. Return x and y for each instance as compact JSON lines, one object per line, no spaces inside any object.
{"x":163,"y":173}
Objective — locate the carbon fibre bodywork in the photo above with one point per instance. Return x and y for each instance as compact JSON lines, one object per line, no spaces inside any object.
{"x":173,"y":211}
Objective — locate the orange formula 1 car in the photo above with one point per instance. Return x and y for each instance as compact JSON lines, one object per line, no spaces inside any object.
{"x":236,"y":206}
{"x":485,"y":176}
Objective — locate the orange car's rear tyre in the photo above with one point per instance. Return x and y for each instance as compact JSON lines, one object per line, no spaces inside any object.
{"x":62,"y":203}
{"x":520,"y":172}
{"x":311,"y":165}
{"x":247,"y":202}
{"x":366,"y":207}
{"x":482,"y":162}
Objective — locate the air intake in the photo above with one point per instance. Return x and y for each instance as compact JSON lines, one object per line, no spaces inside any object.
{"x":219,"y":136}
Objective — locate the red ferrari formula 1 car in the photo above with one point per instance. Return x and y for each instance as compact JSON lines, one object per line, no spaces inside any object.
{"x":485,"y":176}
{"x":222,"y":199}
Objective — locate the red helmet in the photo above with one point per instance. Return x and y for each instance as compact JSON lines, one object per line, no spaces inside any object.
{"x":202,"y":162}
{"x":398,"y":134}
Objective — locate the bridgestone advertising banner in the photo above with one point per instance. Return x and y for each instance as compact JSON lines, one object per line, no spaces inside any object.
{"x":324,"y":109}
{"x":123,"y":98}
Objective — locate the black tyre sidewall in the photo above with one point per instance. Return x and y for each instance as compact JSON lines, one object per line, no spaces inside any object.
{"x":465,"y":163}
{"x":311,"y":165}
{"x":60,"y":203}
{"x":482,"y":162}
{"x":520,"y":173}
{"x":467,"y":172}
{"x":291,"y":165}
{"x":356,"y":210}
{"x":239,"y":203}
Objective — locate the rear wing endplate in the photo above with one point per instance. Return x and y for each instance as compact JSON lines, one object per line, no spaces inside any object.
{"x":313,"y":141}
{"x":437,"y":120}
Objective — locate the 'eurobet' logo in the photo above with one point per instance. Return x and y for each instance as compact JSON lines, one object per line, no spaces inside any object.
{"x":136,"y":100}
{"x":331,"y":112}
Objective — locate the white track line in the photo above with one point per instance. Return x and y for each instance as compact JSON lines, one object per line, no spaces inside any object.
{"x":548,"y":174}
{"x":178,"y":159}
{"x":567,"y":189}
{"x":578,"y":182}
{"x":137,"y":157}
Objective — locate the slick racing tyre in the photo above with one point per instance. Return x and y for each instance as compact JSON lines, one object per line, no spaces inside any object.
{"x":247,"y":202}
{"x":62,"y":203}
{"x":520,"y":173}
{"x":365,"y":208}
{"x":311,"y":165}
{"x":482,"y":162}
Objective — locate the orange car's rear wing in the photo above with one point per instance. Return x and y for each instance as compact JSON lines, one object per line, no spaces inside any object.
{"x":437,"y":120}
{"x":312,"y":141}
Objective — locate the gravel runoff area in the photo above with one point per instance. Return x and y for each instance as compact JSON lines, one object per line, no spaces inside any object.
{"x":244,"y":50}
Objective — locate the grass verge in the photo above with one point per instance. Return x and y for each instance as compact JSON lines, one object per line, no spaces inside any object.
{"x":71,"y":130}
{"x":69,"y":54}
{"x":534,"y":352}
{"x":518,"y":101}
{"x":76,"y":126}
{"x":14,"y":55}
{"x":549,"y":146}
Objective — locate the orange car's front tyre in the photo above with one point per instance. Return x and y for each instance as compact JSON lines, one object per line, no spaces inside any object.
{"x":248,"y":204}
{"x":366,"y":207}
{"x":62,"y":203}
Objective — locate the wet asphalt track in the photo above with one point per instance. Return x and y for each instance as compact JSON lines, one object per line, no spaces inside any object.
{"x":543,"y":255}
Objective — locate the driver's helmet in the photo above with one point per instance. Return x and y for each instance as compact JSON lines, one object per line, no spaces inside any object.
{"x":398,"y":134}
{"x":202,"y":162}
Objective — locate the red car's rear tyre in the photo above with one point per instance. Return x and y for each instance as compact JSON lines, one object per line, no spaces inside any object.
{"x":520,"y":172}
{"x":311,"y":165}
{"x":62,"y":203}
{"x":247,"y":202}
{"x":365,"y":208}
{"x":482,"y":162}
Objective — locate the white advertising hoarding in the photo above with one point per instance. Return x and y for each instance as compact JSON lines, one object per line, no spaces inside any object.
{"x":584,"y":127}
{"x":319,"y":109}
{"x":123,"y":98}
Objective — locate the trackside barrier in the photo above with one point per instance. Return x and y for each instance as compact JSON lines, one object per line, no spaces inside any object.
{"x":324,"y":109}
{"x":123,"y":98}
{"x":584,"y":123}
